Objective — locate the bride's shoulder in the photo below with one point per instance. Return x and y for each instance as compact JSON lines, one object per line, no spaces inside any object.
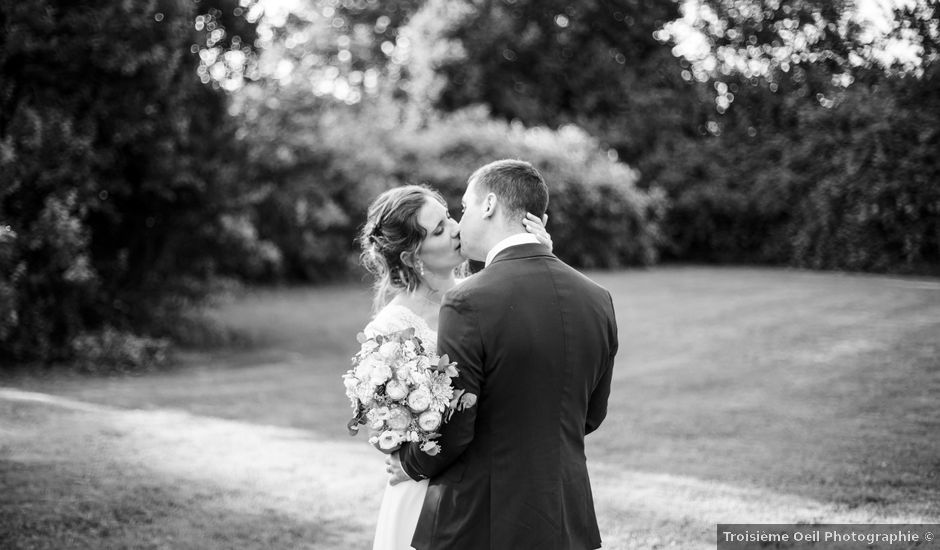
{"x":465,"y":284}
{"x":391,"y":318}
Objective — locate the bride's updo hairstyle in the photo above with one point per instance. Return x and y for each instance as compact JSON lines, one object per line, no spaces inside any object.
{"x":392,"y":228}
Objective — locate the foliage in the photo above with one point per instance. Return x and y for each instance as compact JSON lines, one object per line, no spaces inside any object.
{"x":328,"y":163}
{"x":598,"y":218}
{"x":800,"y":167}
{"x":852,"y":186}
{"x":130,"y":189}
{"x":110,"y":350}
{"x":320,"y":162}
{"x":316,"y":166}
{"x":595,"y":64}
{"x":732,"y":135}
{"x":874,"y":202}
{"x":118,"y":174}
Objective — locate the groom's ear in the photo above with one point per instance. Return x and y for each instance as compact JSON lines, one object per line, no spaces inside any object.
{"x":489,"y":205}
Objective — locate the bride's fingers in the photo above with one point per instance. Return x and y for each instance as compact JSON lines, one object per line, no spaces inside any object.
{"x":533,"y":226}
{"x":536,"y":226}
{"x":537,"y":231}
{"x":530,"y":217}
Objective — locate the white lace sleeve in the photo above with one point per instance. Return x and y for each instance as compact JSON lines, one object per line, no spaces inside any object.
{"x":393,"y":318}
{"x":384,"y":323}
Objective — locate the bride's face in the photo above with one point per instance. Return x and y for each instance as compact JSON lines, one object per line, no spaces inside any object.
{"x":440,"y":249}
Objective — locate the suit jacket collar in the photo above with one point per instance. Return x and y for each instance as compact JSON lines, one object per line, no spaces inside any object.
{"x":512,"y":240}
{"x":521,"y":251}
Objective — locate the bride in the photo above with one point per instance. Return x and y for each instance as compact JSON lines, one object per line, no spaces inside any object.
{"x":411,"y":247}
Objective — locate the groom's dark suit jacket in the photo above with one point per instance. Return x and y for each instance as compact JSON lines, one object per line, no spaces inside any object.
{"x":535,"y":340}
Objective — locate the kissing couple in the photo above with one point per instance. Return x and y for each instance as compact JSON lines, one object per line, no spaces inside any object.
{"x":534,"y":340}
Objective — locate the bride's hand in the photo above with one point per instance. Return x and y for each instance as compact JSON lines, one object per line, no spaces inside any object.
{"x":396,"y":474}
{"x":536,"y":226}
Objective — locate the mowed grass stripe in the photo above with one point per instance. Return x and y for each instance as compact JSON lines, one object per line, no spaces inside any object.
{"x":740,"y":394}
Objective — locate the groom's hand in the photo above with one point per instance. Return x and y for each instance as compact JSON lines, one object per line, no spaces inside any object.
{"x":395,"y":472}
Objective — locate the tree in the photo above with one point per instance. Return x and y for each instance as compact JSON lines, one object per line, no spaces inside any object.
{"x":815,"y":154}
{"x":121,"y":177}
{"x":596,"y":64}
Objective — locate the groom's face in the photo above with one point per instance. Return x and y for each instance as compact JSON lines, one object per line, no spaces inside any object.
{"x":472,"y":224}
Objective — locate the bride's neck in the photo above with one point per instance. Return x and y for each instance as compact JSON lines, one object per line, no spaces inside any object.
{"x":430,"y":292}
{"x":437,"y":284}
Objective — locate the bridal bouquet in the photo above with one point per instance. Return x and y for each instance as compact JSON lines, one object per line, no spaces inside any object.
{"x":401,"y":391}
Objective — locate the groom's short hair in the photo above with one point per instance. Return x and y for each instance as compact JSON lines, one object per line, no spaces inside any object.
{"x":515,"y":182}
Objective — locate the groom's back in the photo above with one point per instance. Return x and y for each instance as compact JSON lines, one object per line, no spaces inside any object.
{"x":547,"y":338}
{"x":548,"y":334}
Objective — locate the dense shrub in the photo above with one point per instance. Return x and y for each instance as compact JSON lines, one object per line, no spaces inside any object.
{"x":120,"y":183}
{"x":729,"y":203}
{"x":109,"y":350}
{"x":874,"y":202}
{"x":323,"y":172}
{"x":315,"y":168}
{"x":854,"y":186}
{"x":598,"y":218}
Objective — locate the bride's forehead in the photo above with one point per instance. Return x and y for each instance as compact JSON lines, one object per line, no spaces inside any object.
{"x":431,"y":213}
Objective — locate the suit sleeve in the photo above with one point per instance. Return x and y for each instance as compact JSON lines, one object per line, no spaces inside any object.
{"x":597,"y":407}
{"x":459,"y":337}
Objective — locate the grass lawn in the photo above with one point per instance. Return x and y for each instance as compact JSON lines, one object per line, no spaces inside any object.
{"x":740,"y":395}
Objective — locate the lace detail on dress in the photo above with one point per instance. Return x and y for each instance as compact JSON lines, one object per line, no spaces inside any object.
{"x":395,"y":317}
{"x":402,"y":503}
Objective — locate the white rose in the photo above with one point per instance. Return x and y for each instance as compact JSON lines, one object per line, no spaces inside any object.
{"x":364,"y":394}
{"x":380,"y":374}
{"x":420,"y":399}
{"x":350,"y":382}
{"x":379,"y":413}
{"x":396,"y":390}
{"x":364,"y":369}
{"x":390,"y":439}
{"x":389,"y":350}
{"x":430,"y":420}
{"x":403,"y":374}
{"x":420,"y":377}
{"x":369,"y":346}
{"x":398,"y":418}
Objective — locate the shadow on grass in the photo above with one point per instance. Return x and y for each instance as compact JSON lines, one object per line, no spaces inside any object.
{"x":50,"y":506}
{"x":819,"y":385}
{"x":816,"y":385}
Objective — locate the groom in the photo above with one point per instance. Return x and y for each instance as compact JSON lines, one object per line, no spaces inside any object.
{"x":535,"y":341}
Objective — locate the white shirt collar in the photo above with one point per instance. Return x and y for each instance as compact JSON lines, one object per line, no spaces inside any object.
{"x":512,"y":240}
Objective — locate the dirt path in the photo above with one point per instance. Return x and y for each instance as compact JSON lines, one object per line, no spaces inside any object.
{"x":164,"y":478}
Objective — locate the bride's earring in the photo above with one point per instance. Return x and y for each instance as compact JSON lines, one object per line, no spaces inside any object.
{"x":419,"y":265}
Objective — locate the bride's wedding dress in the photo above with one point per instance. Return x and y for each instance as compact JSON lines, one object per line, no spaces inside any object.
{"x":401,"y":503}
